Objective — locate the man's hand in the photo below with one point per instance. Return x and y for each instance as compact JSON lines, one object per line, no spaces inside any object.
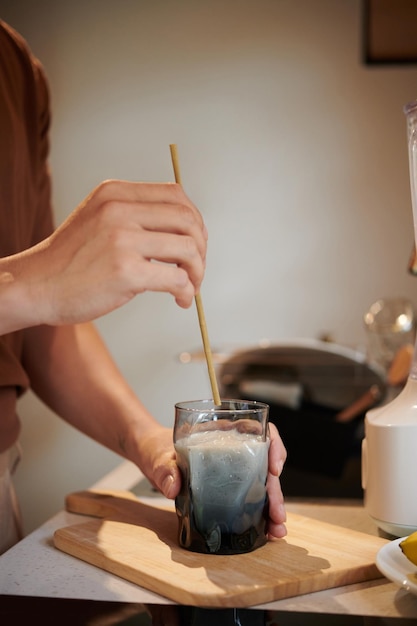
{"x":277,"y":458}
{"x":124,"y":239}
{"x":158,"y":464}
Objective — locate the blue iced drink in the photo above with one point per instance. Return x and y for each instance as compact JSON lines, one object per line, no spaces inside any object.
{"x":222,"y":506}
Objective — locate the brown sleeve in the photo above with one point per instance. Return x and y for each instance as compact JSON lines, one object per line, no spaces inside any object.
{"x":25,"y":189}
{"x":12,"y":373}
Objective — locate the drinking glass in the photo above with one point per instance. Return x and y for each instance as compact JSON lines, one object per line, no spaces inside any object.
{"x":390,"y":324}
{"x":222,"y":453}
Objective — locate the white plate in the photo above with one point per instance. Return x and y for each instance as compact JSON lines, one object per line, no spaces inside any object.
{"x":396,"y":567}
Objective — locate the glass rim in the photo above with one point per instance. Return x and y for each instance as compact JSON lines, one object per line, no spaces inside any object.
{"x":196,"y":406}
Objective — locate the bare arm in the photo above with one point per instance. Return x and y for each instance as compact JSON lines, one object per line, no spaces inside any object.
{"x":73,"y":373}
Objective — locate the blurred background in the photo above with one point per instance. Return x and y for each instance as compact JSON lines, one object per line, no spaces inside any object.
{"x":293,"y":148}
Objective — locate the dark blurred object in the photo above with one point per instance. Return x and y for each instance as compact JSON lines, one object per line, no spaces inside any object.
{"x":52,"y":611}
{"x":307,"y":385}
{"x":66,"y":612}
{"x":412,"y":263}
{"x":366,"y":401}
{"x":389,"y":32}
{"x":400,"y":366}
{"x":315,"y":441}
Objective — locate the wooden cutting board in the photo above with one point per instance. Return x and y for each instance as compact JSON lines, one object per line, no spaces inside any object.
{"x":138,"y":542}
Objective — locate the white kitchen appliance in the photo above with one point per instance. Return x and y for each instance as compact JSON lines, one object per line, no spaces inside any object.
{"x":389,"y":448}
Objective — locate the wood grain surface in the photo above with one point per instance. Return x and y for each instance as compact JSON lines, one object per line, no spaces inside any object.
{"x":138,"y":542}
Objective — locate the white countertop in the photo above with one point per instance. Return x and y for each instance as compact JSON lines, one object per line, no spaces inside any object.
{"x":34,"y":567}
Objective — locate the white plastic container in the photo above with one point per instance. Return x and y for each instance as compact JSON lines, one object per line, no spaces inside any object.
{"x":389,"y":449}
{"x":389,"y":463}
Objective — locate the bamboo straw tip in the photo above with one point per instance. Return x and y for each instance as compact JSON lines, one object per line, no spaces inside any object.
{"x":199,"y":304}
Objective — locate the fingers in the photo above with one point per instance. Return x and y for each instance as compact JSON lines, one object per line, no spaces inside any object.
{"x":277,"y":451}
{"x":175,"y":218}
{"x":167,"y":228}
{"x":124,"y":239}
{"x":157,"y":461}
{"x":166,"y":278}
{"x":277,"y":458}
{"x":172,"y":249}
{"x":277,"y":514}
{"x":173,"y":210}
{"x":163,"y":471}
{"x":171,"y":484}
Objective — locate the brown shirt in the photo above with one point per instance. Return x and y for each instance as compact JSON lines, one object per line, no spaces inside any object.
{"x":25,"y":207}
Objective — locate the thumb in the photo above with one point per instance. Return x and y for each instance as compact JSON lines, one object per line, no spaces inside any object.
{"x":171,"y":482}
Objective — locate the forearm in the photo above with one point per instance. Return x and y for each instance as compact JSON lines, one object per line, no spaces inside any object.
{"x":72,"y":372}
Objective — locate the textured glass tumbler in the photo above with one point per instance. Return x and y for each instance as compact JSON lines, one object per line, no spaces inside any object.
{"x":390,"y":324}
{"x":222,"y":453}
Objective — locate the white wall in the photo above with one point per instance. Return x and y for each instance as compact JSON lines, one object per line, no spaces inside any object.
{"x":294,"y":151}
